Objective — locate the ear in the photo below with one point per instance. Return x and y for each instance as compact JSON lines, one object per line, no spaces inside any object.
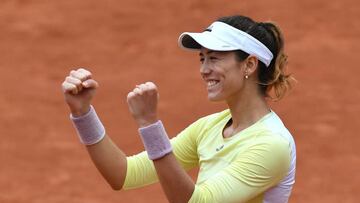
{"x":251,"y":64}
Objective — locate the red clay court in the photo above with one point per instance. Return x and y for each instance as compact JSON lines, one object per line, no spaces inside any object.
{"x":127,"y":42}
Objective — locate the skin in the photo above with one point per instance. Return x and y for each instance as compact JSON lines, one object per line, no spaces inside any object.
{"x":245,"y":101}
{"x":224,"y":77}
{"x":79,"y":89}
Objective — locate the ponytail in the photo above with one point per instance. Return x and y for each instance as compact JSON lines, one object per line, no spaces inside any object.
{"x":280,"y":82}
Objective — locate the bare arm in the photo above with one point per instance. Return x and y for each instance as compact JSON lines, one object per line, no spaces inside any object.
{"x":79,"y":88}
{"x":176,"y":183}
{"x":110,"y":161}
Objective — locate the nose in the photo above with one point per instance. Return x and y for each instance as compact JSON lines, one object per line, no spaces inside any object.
{"x":205,"y":68}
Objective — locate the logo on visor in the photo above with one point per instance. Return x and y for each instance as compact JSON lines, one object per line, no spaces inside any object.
{"x":209,"y":29}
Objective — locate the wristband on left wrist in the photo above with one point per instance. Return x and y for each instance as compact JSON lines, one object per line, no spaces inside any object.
{"x":155,"y":140}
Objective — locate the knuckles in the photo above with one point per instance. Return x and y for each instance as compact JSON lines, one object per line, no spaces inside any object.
{"x":130,"y":95}
{"x":142,"y":91}
{"x":68,"y":87}
{"x":74,"y":81}
{"x":81,"y":74}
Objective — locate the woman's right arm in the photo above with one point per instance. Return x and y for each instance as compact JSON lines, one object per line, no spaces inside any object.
{"x":79,"y":88}
{"x":110,"y":161}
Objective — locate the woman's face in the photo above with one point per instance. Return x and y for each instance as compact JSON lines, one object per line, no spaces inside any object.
{"x":222,"y":73}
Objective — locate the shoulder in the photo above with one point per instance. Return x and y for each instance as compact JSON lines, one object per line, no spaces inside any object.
{"x":274,"y":125}
{"x":272,"y":141}
{"x":200,"y":127}
{"x":212,"y":119}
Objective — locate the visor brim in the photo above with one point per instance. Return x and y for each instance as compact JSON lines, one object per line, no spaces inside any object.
{"x":194,"y":41}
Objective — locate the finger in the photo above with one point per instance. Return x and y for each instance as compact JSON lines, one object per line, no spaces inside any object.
{"x":69,"y":88}
{"x":137,"y":91}
{"x":151,"y":87}
{"x":142,"y":87}
{"x":79,"y":75}
{"x":130,"y":96}
{"x":74,"y":81}
{"x":90,"y":83}
{"x":87,"y":73}
{"x":150,"y":83}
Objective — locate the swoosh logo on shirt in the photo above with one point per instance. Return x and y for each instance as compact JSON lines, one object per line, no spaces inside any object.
{"x":219,"y":148}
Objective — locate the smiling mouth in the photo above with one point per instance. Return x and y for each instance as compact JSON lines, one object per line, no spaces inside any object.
{"x":212,"y":83}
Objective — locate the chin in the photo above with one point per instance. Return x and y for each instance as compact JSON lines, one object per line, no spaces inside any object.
{"x":215,"y":98}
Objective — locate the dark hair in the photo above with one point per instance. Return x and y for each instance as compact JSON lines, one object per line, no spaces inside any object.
{"x":268,"y":33}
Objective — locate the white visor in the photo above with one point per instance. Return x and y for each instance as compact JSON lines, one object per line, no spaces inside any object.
{"x":223,"y":37}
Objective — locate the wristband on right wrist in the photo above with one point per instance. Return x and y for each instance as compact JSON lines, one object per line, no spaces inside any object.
{"x":89,"y":127}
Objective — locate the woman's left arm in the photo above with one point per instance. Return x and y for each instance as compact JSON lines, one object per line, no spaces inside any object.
{"x":269,"y":159}
{"x":176,"y":183}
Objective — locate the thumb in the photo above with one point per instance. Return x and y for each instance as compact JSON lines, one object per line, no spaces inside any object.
{"x":90,"y":83}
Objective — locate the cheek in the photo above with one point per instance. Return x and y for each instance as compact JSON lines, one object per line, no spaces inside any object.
{"x":235,"y":76}
{"x":234,"y":83}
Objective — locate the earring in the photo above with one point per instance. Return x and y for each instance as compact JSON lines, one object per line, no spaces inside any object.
{"x":246,"y":76}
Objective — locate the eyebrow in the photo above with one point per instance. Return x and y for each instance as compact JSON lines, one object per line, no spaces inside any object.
{"x":208,"y":52}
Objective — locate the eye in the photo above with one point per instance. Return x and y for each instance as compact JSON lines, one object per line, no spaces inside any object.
{"x":202,"y":60}
{"x":213,"y":58}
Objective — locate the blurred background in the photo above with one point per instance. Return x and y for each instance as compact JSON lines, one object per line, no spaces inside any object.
{"x":131,"y":41}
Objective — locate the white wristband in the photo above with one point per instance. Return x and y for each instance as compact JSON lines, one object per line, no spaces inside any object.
{"x":156,"y":141}
{"x":89,"y":127}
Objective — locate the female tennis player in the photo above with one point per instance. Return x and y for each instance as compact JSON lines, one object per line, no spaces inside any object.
{"x":244,"y":153}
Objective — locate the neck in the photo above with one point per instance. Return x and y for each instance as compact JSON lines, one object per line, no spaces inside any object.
{"x":246,"y":109}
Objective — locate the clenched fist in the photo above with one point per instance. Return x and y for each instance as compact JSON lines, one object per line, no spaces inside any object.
{"x":142,"y":102}
{"x":79,"y":88}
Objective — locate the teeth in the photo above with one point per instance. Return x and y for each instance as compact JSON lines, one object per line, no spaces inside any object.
{"x":212,"y":83}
